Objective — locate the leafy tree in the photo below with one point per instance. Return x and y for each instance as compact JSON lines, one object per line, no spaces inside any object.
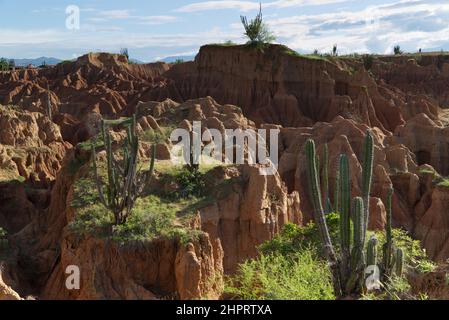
{"x":4,"y":65}
{"x":257,"y":30}
{"x":397,"y":50}
{"x":335,"y":50}
{"x":124,"y":52}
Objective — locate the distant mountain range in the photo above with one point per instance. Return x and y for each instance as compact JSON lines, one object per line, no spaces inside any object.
{"x":178,"y":58}
{"x":37,"y":62}
{"x":53,"y":61}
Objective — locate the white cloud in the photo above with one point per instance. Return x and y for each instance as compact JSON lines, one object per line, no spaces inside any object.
{"x":105,"y":16}
{"x":115,"y":14}
{"x":154,"y":20}
{"x":250,"y":5}
{"x":412,"y":24}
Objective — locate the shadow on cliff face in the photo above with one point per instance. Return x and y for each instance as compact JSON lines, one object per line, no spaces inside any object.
{"x":21,"y":203}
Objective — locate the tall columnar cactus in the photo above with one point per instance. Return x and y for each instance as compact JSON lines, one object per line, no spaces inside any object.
{"x":348,"y":270}
{"x":318,"y":212}
{"x":358,"y":262}
{"x":371,"y":258}
{"x":337,"y":190}
{"x":125,"y":184}
{"x":345,"y":215}
{"x":328,"y":207}
{"x":399,"y":262}
{"x":387,"y":262}
{"x":368,"y":165}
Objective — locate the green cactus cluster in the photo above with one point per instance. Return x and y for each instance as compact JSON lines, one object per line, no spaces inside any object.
{"x":393,"y":258}
{"x":124,"y":182}
{"x":348,"y":267}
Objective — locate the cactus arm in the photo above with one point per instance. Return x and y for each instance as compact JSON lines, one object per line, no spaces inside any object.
{"x":388,"y":246}
{"x":125,"y":181}
{"x":312,"y":171}
{"x":399,"y":262}
{"x":97,"y":178}
{"x":368,"y":164}
{"x":111,"y":173}
{"x":345,"y":215}
{"x":318,"y":212}
{"x":152,"y":163}
{"x":357,"y":255}
{"x":337,"y":190}
{"x":371,"y":259}
{"x":326,"y":178}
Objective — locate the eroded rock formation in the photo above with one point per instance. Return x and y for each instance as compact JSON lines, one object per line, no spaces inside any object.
{"x":334,"y":101}
{"x":31,"y":146}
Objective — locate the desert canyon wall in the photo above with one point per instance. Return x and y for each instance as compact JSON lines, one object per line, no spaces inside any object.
{"x":331,"y":100}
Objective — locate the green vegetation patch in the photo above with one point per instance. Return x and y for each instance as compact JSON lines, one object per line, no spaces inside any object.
{"x":444,"y":183}
{"x":9,"y":176}
{"x":300,"y":276}
{"x":439,"y":180}
{"x":153,"y":216}
{"x":292,"y":266}
{"x":3,"y":233}
{"x":294,"y":239}
{"x":160,"y":213}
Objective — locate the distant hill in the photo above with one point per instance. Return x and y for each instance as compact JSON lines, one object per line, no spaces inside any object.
{"x":37,"y":62}
{"x":136,"y":61}
{"x":176,"y":58}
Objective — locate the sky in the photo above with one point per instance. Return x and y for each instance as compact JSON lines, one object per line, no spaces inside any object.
{"x":153,"y":30}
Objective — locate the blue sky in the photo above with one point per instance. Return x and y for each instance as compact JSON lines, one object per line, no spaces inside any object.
{"x":156,"y":29}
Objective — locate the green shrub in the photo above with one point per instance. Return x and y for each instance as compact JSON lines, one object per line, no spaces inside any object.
{"x":4,"y":64}
{"x":397,"y":288}
{"x":294,"y":238}
{"x":3,"y":233}
{"x":191,"y":183}
{"x":397,"y":50}
{"x":159,"y":136}
{"x":84,"y":193}
{"x":443,"y":183}
{"x":229,"y":43}
{"x":257,"y":30}
{"x":282,"y":277}
{"x":125,"y":52}
{"x":91,"y":220}
{"x":414,"y":256}
{"x":368,"y":61}
{"x":152,"y":217}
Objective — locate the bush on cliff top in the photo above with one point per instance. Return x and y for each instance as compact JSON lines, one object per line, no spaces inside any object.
{"x":257,"y":30}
